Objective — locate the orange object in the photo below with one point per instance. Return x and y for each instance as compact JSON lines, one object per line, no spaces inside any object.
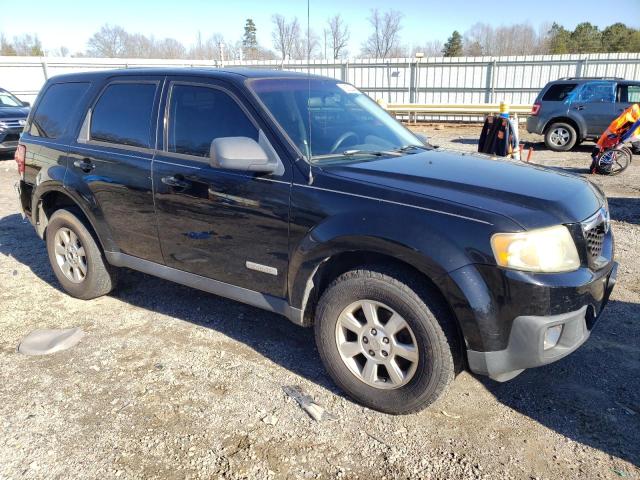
{"x":530,"y":154}
{"x":617,"y":128}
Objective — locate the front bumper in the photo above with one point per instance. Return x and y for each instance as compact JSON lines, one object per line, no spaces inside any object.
{"x":9,"y":139}
{"x":525,"y":348}
{"x":505,"y":314}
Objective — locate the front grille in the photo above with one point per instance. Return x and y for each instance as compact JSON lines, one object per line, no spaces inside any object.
{"x":12,"y":123}
{"x":594,"y":230}
{"x":594,"y":238}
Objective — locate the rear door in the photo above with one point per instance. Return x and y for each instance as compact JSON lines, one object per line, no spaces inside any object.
{"x":594,"y":106}
{"x":110,"y":162}
{"x":228,"y":225}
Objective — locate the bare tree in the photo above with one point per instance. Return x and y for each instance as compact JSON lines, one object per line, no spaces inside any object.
{"x":170,"y":48}
{"x":430,"y":49}
{"x":338,"y":36}
{"x":384,"y":42}
{"x":518,"y":39}
{"x":108,"y":42}
{"x":286,"y":35}
{"x":306,"y":46}
{"x":6,"y":48}
{"x":28,"y":45}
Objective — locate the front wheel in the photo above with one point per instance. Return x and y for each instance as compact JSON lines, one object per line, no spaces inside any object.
{"x":385,"y":340}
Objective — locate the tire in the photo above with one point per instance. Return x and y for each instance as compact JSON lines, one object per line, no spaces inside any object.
{"x":431,"y":330}
{"x":560,"y":137}
{"x":87,"y":276}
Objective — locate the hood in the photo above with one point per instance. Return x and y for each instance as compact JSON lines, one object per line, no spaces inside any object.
{"x":14,"y":112}
{"x":532,"y":196}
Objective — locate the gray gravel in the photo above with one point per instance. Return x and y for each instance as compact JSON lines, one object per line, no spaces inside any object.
{"x":170,"y":382}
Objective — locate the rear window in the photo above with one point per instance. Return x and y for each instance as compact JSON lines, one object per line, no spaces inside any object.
{"x":122,"y":115}
{"x":558,"y":92}
{"x":54,"y":110}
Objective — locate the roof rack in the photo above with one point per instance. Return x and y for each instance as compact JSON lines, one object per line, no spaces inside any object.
{"x":591,"y":78}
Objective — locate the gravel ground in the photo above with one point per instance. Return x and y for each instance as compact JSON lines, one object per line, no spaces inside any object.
{"x":170,"y":382}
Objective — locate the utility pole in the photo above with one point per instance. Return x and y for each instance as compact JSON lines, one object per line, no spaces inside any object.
{"x":221,"y":47}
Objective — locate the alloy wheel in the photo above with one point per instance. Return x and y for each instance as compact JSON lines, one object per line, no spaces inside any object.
{"x":376,"y":344}
{"x":70,"y":255}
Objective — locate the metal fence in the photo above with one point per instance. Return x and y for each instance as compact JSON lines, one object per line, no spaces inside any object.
{"x":456,"y":80}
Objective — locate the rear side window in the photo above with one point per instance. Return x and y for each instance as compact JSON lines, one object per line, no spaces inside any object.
{"x":199,"y":115}
{"x":629,"y":93}
{"x":558,"y":92}
{"x":59,"y":102}
{"x":122,"y":115}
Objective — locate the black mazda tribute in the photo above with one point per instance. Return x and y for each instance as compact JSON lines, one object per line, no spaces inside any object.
{"x":300,"y":195}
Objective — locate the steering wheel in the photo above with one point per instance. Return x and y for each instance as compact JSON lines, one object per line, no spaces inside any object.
{"x":341,"y":140}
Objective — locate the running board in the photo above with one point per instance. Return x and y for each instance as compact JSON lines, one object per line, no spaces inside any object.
{"x":244,"y":295}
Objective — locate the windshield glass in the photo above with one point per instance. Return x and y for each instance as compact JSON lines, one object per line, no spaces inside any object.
{"x":8,"y":100}
{"x":332,"y":121}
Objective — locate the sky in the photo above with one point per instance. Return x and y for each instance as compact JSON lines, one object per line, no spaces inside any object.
{"x":71,"y":23}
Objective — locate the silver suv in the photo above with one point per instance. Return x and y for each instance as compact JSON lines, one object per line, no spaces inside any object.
{"x":570,"y":110}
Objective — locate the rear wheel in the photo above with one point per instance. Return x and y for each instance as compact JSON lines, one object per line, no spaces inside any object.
{"x":76,"y":258}
{"x":386,"y":340}
{"x":560,"y":137}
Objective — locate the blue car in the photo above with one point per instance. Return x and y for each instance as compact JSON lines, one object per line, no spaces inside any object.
{"x":13,"y":117}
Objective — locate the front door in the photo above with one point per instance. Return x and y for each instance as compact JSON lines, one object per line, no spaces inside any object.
{"x":228,"y":225}
{"x":595,"y":104}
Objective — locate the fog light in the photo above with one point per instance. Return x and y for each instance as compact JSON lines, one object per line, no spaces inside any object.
{"x":551,"y":336}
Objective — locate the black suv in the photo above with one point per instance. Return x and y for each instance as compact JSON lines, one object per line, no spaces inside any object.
{"x":13,"y":117}
{"x":300,"y":195}
{"x":570,"y":110}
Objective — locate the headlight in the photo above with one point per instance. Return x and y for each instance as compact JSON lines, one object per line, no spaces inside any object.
{"x":545,"y":250}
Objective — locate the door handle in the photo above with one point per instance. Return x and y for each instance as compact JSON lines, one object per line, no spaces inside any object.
{"x":85,"y":165}
{"x":579,"y":107}
{"x":176,"y":182}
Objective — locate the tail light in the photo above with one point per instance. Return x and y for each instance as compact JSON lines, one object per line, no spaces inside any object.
{"x":21,"y":153}
{"x":535,"y":109}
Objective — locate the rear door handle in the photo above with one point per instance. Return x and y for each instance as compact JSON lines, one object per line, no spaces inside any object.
{"x":176,"y":182}
{"x":85,"y":165}
{"x":579,"y":107}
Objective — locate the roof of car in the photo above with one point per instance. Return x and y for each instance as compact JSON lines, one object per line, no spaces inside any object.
{"x":236,"y":73}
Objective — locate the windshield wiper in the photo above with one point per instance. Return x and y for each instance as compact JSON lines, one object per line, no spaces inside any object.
{"x":359,"y":153}
{"x":376,"y":153}
{"x":406,"y":148}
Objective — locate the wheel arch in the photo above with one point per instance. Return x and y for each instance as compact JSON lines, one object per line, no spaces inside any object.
{"x":565,"y":119}
{"x":46,"y":201}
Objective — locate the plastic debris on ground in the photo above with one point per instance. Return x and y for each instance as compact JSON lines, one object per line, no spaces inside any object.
{"x":307,"y":403}
{"x":48,"y":341}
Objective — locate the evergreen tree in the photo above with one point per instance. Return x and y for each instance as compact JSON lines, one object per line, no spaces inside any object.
{"x":249,"y":40}
{"x":617,"y":38}
{"x":453,"y":47}
{"x":586,"y":38}
{"x":559,"y":40}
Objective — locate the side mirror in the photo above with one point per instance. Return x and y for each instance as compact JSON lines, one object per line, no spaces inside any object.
{"x":240,"y":153}
{"x":26,"y":104}
{"x":422,"y":137}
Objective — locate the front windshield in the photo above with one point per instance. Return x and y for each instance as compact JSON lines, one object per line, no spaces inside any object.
{"x":330,"y":121}
{"x":8,"y":100}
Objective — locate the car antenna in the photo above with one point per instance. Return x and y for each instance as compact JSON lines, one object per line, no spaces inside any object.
{"x":308,"y":145}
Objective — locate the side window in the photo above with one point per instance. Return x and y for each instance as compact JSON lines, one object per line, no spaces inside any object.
{"x":596,"y":92}
{"x":558,"y":92}
{"x":122,"y":114}
{"x":198,"y":115}
{"x":633,"y":94}
{"x":60,"y":100}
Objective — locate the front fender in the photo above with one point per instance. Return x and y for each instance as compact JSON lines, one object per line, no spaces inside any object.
{"x":407,"y":238}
